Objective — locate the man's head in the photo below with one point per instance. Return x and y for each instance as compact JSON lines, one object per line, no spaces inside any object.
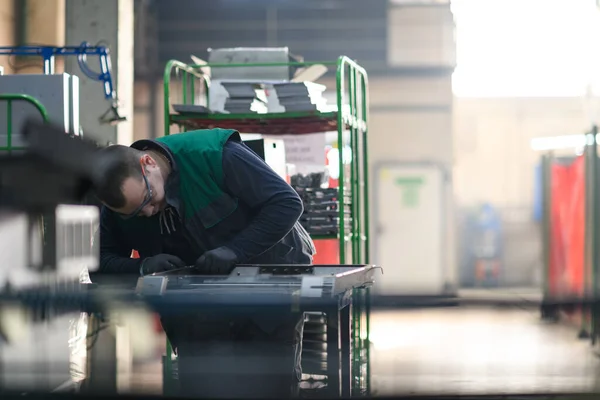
{"x":131,"y":183}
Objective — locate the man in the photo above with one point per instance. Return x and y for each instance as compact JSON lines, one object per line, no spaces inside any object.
{"x":204,"y":199}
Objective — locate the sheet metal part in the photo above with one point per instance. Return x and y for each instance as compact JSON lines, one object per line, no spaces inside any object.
{"x":319,"y":281}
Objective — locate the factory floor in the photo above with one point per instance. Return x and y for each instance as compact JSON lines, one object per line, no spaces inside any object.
{"x":466,"y":350}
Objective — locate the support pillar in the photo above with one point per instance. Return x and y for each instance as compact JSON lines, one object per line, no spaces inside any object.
{"x":109,"y":23}
{"x":7,"y":31}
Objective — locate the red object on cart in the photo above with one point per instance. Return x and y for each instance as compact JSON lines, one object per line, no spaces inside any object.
{"x":328,"y":251}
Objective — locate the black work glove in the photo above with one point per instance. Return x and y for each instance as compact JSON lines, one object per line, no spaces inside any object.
{"x":219,"y":261}
{"x":161,"y":263}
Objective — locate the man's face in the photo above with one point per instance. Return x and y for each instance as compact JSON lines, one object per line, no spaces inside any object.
{"x":146,"y":196}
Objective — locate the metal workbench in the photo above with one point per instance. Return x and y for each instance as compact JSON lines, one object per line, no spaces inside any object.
{"x":299,"y":288}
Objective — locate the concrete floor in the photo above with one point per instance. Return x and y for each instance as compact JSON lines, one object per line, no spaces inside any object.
{"x":478,"y":351}
{"x":462,"y":351}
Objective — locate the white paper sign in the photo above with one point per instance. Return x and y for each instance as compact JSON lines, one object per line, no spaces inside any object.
{"x":306,"y":152}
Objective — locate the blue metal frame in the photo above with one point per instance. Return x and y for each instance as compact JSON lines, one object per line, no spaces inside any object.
{"x":48,"y":53}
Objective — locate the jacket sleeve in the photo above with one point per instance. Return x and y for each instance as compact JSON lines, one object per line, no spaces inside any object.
{"x":114,"y":253}
{"x":250,"y":179}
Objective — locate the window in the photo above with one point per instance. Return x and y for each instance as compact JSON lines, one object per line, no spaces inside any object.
{"x":526,"y":48}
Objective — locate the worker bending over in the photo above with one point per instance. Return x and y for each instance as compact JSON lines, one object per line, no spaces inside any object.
{"x":204,"y":198}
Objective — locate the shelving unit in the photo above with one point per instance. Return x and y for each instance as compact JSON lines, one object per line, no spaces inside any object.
{"x":352,"y":99}
{"x":350,"y":121}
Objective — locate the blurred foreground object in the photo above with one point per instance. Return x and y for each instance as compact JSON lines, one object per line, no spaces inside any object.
{"x":46,"y":245}
{"x":45,"y":234}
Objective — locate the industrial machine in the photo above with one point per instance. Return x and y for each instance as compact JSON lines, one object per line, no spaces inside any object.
{"x":310,"y":289}
{"x":60,"y":92}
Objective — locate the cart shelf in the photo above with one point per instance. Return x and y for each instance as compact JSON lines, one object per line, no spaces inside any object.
{"x":266,"y":124}
{"x":296,"y":123}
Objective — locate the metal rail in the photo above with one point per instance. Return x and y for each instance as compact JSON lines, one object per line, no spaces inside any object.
{"x":9,"y":98}
{"x":48,"y":54}
{"x":188,"y":73}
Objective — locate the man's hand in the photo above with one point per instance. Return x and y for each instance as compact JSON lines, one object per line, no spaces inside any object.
{"x":161,"y":263}
{"x":217,"y":262}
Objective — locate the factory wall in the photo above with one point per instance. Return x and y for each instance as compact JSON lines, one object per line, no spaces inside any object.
{"x":492,"y":142}
{"x":148,"y":123}
{"x":45,"y":24}
{"x":494,"y":163}
{"x":411,"y":118}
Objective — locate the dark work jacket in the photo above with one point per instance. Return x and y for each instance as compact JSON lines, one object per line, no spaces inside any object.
{"x":263,"y":229}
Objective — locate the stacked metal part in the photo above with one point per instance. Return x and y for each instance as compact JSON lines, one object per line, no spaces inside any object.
{"x":321,"y":205}
{"x":314,"y":346}
{"x":244,"y":98}
{"x":314,"y":354}
{"x":269,"y":88}
{"x":299,"y":96}
{"x":242,"y":90}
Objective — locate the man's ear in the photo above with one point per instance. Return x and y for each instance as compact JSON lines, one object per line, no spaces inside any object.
{"x":148,"y":160}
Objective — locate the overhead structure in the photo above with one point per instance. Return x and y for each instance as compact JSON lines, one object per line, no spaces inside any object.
{"x":49,"y":53}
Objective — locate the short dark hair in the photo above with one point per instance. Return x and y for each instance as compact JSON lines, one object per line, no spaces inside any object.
{"x":118,"y":163}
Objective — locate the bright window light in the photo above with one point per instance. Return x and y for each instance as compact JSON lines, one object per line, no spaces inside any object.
{"x":562,"y":142}
{"x":526,"y":48}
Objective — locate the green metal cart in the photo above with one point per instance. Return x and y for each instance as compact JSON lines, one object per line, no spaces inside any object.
{"x":186,"y":84}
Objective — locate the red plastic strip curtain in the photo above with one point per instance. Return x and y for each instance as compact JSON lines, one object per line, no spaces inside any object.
{"x":566,"y":269}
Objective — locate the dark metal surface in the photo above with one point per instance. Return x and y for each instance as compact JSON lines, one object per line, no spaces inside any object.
{"x":316,"y":281}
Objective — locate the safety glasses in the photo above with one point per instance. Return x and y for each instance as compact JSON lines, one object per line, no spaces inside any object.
{"x":147,"y":198}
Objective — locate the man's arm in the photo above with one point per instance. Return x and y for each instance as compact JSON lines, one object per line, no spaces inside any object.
{"x":250,"y":179}
{"x":115,"y":257}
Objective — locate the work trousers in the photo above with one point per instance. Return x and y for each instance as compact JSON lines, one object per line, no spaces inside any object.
{"x":237,"y":357}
